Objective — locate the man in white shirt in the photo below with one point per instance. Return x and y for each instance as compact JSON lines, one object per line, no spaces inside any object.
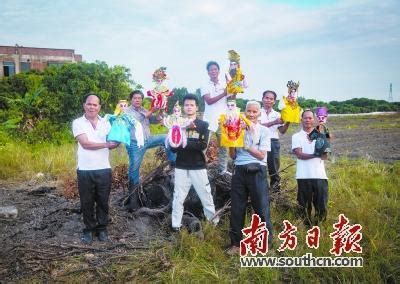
{"x":214,"y":95}
{"x":311,"y":177}
{"x":272,"y":119}
{"x":94,"y":170}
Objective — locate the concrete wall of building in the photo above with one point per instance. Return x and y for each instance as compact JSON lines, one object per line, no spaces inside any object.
{"x":39,"y":58}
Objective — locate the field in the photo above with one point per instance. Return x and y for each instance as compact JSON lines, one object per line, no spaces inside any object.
{"x":374,"y":137}
{"x":43,"y":242}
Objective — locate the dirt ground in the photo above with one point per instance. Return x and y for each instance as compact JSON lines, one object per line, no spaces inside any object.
{"x":375,"y":137}
{"x":48,"y":225}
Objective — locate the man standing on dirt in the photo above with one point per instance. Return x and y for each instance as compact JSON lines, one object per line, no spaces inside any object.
{"x":272,"y":119}
{"x":94,"y":170}
{"x":214,"y":95}
{"x":311,"y":177}
{"x":136,"y":153}
{"x":191,"y":166}
{"x":249,"y":178}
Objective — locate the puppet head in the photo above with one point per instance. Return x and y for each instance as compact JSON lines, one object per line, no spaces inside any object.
{"x":177,"y":109}
{"x":231,"y":105}
{"x":234,"y":64}
{"x":292,"y":90}
{"x":322,"y":114}
{"x":121,"y":107}
{"x":160,"y":75}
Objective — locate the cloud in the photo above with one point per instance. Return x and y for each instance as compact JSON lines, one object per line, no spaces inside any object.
{"x":334,"y":44}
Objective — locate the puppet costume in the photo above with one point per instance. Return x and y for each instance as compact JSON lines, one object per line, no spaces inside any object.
{"x":289,"y":107}
{"x":235,"y":80}
{"x":160,"y":93}
{"x":232,"y":134}
{"x":321,"y":133}
{"x":122,"y":124}
{"x":176,"y":124}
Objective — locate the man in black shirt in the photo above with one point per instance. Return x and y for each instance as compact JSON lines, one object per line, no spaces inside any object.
{"x":191,"y":165}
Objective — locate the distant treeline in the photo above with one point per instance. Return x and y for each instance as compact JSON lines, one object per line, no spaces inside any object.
{"x":39,"y":106}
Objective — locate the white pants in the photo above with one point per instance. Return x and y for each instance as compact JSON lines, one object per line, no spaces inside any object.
{"x":183,"y":180}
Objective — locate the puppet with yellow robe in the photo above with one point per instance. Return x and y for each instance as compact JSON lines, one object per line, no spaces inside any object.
{"x":232,"y":133}
{"x":235,"y":80}
{"x":289,"y":107}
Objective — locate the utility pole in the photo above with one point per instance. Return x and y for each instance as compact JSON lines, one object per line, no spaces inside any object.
{"x":390,"y":93}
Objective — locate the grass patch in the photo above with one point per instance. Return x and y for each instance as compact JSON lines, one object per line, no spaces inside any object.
{"x":366,"y":192}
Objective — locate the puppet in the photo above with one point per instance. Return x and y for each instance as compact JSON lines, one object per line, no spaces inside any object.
{"x":289,"y":107}
{"x":160,"y":93}
{"x":176,"y":124}
{"x":122,"y":124}
{"x":232,"y":133}
{"x":235,"y":80}
{"x":321,"y":133}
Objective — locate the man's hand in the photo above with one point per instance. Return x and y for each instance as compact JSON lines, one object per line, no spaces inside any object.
{"x":112,"y":144}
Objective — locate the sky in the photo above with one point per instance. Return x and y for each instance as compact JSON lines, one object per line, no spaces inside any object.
{"x":338,"y":50}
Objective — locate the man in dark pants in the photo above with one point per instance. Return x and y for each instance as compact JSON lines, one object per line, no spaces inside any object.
{"x":310,"y":173}
{"x":249,"y":178}
{"x":272,"y":119}
{"x":94,"y":170}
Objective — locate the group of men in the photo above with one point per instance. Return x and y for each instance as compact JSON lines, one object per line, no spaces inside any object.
{"x":249,"y":176}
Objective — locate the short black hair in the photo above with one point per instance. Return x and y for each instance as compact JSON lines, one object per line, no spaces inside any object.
{"x":91,"y":94}
{"x":135,"y":92}
{"x":271,"y":92}
{"x":191,"y":97}
{"x":307,"y":109}
{"x":210,"y":63}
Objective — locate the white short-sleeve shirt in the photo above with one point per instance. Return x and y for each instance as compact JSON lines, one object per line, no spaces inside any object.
{"x":273,"y":115}
{"x":92,"y":159}
{"x":307,"y":169}
{"x":212,"y":112}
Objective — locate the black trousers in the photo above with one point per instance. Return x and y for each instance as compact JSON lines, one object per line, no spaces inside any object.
{"x":94,"y":191}
{"x":243,"y":185}
{"x":273,"y":162}
{"x":312,"y":192}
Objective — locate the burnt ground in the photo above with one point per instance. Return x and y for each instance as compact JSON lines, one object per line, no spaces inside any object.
{"x":48,"y":227}
{"x":47,"y":230}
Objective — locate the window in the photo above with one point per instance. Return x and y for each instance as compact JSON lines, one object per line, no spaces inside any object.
{"x":8,"y":68}
{"x":54,"y":63}
{"x":25,"y":66}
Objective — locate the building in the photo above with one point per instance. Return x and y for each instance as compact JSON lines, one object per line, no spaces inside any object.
{"x":16,"y":59}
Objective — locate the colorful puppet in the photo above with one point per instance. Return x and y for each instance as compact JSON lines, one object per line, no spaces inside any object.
{"x":176,"y":125}
{"x":289,"y":107}
{"x":232,"y":133}
{"x":321,"y":133}
{"x":160,"y":93}
{"x":121,"y":126}
{"x":235,"y":80}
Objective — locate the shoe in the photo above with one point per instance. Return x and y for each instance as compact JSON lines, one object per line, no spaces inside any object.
{"x":225,"y":172}
{"x":215,"y":221}
{"x":175,"y":229}
{"x":132,"y":202}
{"x":233,"y":251}
{"x":103,"y":236}
{"x":87,"y":237}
